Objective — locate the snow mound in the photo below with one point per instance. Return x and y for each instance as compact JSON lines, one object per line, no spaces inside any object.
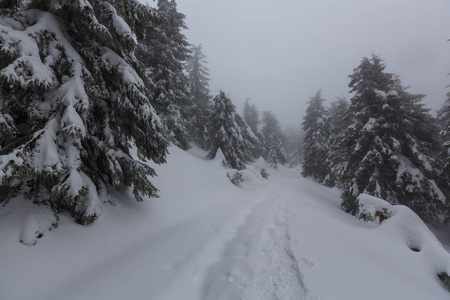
{"x":37,"y":219}
{"x":402,"y":223}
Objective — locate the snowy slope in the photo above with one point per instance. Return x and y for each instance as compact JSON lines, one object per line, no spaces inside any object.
{"x":284,"y":238}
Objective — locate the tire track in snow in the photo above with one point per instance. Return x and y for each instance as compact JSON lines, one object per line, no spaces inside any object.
{"x":258,"y":262}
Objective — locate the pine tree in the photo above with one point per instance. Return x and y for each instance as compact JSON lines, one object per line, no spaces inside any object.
{"x":251,"y":116}
{"x":444,"y":124}
{"x":390,"y":149}
{"x":273,"y":140}
{"x":200,"y":99}
{"x":338,"y":123}
{"x":73,"y":102}
{"x":293,"y":146}
{"x":164,"y":51}
{"x":229,"y":132}
{"x":315,"y":142}
{"x":337,"y":117}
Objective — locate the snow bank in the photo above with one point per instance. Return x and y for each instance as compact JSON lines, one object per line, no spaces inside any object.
{"x":405,"y":225}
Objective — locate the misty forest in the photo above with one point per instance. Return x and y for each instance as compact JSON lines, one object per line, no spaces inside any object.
{"x":124,"y":175}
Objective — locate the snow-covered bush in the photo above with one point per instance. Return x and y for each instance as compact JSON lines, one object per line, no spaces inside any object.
{"x":264,"y":174}
{"x":372,"y":209}
{"x":239,"y":176}
{"x":261,"y":166}
{"x":235,"y":177}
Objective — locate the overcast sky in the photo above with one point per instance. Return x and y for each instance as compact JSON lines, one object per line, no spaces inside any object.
{"x":279,"y":53}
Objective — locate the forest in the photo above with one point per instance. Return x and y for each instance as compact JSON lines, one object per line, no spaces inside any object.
{"x":84,"y":84}
{"x":156,"y":187}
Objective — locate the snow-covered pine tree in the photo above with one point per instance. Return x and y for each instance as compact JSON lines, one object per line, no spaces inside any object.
{"x":251,"y":116}
{"x":273,"y":140}
{"x":200,"y":98}
{"x":229,"y":132}
{"x":164,"y":51}
{"x":294,"y":141}
{"x":390,"y":149}
{"x":338,"y":123}
{"x":444,"y":124}
{"x":337,"y":117}
{"x":73,"y":103}
{"x":315,"y":142}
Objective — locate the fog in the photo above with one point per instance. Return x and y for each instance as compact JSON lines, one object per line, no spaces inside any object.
{"x":279,"y":53}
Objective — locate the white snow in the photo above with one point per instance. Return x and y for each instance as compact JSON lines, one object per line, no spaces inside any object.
{"x":120,"y":25}
{"x":122,"y":28}
{"x":205,"y":238}
{"x":380,"y":94}
{"x":392,"y":93}
{"x":370,"y":123}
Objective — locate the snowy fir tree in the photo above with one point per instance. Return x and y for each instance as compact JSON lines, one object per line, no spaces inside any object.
{"x":444,"y":123}
{"x":337,"y":117}
{"x":315,"y":142}
{"x":337,"y":123}
{"x":389,"y":151}
{"x":200,"y":99}
{"x":229,"y":133}
{"x":251,"y":116}
{"x":273,"y":140}
{"x":164,"y":51}
{"x":73,"y":102}
{"x":293,"y":146}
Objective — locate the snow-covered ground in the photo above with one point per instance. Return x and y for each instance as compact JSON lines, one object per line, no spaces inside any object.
{"x":205,"y":238}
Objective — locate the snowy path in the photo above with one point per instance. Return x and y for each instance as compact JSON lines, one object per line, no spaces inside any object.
{"x":258,"y":262}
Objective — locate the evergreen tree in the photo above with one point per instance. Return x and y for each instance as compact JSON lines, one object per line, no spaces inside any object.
{"x":164,"y":51}
{"x":337,"y":117}
{"x":273,"y":140}
{"x":338,"y":123}
{"x":73,"y":102}
{"x":444,"y":123}
{"x":390,"y":149}
{"x":315,"y":143}
{"x":293,"y":146}
{"x":200,"y":98}
{"x":229,"y":132}
{"x":251,"y":116}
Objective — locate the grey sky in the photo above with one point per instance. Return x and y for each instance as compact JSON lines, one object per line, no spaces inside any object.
{"x":279,"y":53}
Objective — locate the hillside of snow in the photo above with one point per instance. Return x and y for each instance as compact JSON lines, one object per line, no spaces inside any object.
{"x":205,"y":238}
